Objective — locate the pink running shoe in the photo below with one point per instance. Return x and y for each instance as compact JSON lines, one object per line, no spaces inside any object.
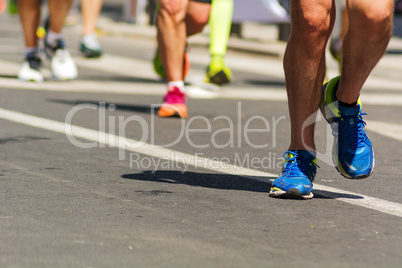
{"x":174,"y":104}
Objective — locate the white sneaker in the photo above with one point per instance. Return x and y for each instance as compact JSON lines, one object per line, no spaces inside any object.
{"x":30,"y":70}
{"x":62,"y":64}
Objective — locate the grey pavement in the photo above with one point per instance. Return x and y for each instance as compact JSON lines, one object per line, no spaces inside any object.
{"x":64,"y":205}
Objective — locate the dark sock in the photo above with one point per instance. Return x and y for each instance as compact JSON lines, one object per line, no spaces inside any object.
{"x":344,"y":104}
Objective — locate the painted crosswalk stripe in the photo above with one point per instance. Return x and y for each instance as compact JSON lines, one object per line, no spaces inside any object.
{"x":112,"y":140}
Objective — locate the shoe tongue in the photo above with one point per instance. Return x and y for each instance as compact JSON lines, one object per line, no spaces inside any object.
{"x":32,"y":55}
{"x":91,"y":41}
{"x":302,"y":154}
{"x":307,"y":155}
{"x":349,"y":111}
{"x":174,"y":89}
{"x":60,"y":44}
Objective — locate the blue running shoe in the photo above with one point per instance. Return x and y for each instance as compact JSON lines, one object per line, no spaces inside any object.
{"x":296,"y":178}
{"x":352,"y":152}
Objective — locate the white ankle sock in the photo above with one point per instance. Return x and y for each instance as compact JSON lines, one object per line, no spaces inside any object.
{"x":178,"y":84}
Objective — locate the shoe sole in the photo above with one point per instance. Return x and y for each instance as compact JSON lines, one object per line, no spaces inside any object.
{"x":360,"y":177}
{"x":175,"y":115}
{"x":55,"y":78}
{"x":292,"y":193}
{"x":88,"y":53}
{"x":30,"y":80}
{"x":172,"y":110}
{"x":91,"y":55}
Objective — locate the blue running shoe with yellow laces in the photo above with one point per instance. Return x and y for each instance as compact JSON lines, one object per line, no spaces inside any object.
{"x":352,"y":152}
{"x":296,"y":178}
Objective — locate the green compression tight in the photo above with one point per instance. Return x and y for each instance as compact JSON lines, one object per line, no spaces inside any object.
{"x":220,"y":21}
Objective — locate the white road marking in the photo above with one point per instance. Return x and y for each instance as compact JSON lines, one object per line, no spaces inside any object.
{"x":390,"y":130}
{"x":85,"y":86}
{"x":112,"y":140}
{"x":143,"y":69}
{"x":150,"y":89}
{"x":120,"y":65}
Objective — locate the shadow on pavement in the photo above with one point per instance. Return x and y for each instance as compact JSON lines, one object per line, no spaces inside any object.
{"x":332,"y":195}
{"x":22,"y":139}
{"x":8,"y":76}
{"x":222,"y":182}
{"x":207,"y":180}
{"x":265,"y":83}
{"x":118,"y":79}
{"x":394,"y":51}
{"x":122,"y":107}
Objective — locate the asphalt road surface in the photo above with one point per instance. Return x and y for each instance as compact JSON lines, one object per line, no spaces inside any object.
{"x":90,"y":176}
